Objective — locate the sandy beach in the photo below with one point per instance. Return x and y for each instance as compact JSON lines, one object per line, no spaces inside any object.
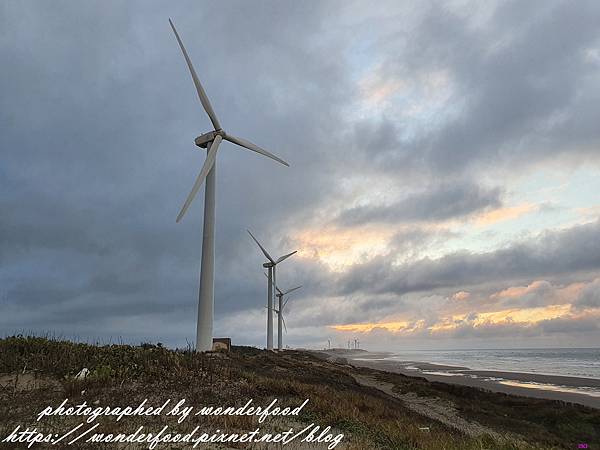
{"x":583,"y":391}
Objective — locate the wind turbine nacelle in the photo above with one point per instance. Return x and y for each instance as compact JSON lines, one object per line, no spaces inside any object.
{"x":204,"y":139}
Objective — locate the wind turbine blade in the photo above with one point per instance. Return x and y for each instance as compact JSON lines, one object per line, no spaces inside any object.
{"x":284,"y":326}
{"x":273,"y":283}
{"x":291,"y":290}
{"x":285,"y":257}
{"x":208,"y":164}
{"x":278,"y":290}
{"x":262,"y":248}
{"x":255,"y":148}
{"x":285,"y":303}
{"x":201,"y":94}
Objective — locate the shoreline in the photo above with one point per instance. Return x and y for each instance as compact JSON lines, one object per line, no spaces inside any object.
{"x":553,"y":387}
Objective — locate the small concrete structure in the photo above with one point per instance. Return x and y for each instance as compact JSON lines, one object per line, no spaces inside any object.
{"x":221,"y":344}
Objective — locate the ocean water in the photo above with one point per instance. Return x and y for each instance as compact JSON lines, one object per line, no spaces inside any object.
{"x":576,"y":362}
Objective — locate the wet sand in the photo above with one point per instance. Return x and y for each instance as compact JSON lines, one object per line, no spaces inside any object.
{"x":553,"y":387}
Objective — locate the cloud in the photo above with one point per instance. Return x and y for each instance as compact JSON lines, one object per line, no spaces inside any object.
{"x":502,"y":214}
{"x":524,"y":322}
{"x":396,"y":121}
{"x":589,"y":296}
{"x":460,"y":296}
{"x":520,"y":94}
{"x":98,"y":119}
{"x":441,"y":202}
{"x":550,"y":253}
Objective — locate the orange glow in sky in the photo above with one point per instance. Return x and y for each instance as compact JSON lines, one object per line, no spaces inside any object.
{"x":525,"y":316}
{"x":367,"y":327}
{"x":341,"y":247}
{"x":502,"y":214}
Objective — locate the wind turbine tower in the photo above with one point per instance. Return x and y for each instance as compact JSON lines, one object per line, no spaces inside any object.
{"x":281,"y":306}
{"x":210,"y":141}
{"x":270,"y":265}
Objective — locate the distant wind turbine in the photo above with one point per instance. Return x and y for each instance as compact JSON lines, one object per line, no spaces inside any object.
{"x":272,"y":276}
{"x":210,"y":141}
{"x":279,"y":311}
{"x":281,"y":305}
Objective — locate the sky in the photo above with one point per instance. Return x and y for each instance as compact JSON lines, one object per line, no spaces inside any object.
{"x":443,"y":188}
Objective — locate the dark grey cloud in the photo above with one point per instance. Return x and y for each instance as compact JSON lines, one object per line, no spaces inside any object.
{"x":98,"y":116}
{"x":522,"y":81}
{"x":589,"y":296}
{"x":436,"y":203}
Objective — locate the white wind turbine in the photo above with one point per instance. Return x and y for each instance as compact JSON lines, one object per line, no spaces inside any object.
{"x":210,"y":141}
{"x":281,"y":305}
{"x":272,"y":276}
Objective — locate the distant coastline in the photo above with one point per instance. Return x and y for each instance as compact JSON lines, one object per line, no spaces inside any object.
{"x":579,"y":390}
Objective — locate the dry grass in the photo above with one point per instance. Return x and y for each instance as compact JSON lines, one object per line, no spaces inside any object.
{"x":124,"y":375}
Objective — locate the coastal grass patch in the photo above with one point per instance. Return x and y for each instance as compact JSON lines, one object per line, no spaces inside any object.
{"x":550,"y":423}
